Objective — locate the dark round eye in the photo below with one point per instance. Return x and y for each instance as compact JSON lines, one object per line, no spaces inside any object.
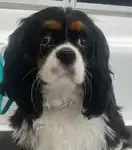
{"x":81,"y":42}
{"x":46,"y":41}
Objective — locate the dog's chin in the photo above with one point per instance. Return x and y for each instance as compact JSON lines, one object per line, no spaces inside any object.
{"x":52,"y":73}
{"x":61,"y":85}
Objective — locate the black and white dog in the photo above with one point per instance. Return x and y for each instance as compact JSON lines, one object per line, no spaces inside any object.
{"x":57,"y":71}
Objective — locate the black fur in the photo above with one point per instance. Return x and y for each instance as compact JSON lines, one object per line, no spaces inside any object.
{"x":21,"y":58}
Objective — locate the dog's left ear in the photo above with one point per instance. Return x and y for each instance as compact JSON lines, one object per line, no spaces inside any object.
{"x":96,"y":98}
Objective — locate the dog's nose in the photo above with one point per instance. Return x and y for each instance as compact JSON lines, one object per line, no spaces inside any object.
{"x":66,"y":56}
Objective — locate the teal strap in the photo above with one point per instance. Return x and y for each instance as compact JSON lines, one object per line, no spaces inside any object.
{"x":1,"y":99}
{"x":9,"y":102}
{"x":6,"y":107}
{"x":1,"y":68}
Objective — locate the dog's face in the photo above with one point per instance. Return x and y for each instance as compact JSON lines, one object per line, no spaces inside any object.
{"x":64,"y":46}
{"x":56,"y":45}
{"x":64,"y":61}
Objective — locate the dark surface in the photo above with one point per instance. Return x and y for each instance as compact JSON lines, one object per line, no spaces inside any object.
{"x":110,"y":2}
{"x":6,"y":142}
{"x":130,"y":140}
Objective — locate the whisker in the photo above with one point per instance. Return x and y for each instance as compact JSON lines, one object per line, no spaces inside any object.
{"x":38,"y":83}
{"x":90,"y":86}
{"x":32,"y":98}
{"x":28,"y":74}
{"x":41,"y":50}
{"x":41,"y":59}
{"x":89,"y":73}
{"x":91,"y":59}
{"x":84,"y":87}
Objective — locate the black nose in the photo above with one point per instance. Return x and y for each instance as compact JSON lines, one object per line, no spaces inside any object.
{"x":66,"y":56}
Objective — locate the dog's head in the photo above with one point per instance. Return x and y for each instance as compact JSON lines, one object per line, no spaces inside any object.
{"x":56,"y":44}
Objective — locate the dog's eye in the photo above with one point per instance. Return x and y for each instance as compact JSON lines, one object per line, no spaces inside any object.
{"x":47,"y":40}
{"x":81,"y":42}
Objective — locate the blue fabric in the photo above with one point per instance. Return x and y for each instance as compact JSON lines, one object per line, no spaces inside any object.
{"x":9,"y":102}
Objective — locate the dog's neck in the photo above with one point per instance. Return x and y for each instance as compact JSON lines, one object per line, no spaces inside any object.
{"x":62,"y":93}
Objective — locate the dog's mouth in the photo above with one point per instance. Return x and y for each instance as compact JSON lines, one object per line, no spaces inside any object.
{"x":63,"y":72}
{"x":58,"y":73}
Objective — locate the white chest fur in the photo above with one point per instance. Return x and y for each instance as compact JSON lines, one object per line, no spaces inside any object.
{"x":62,"y":126}
{"x":67,"y":129}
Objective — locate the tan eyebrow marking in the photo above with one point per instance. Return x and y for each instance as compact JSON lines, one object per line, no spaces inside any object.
{"x":77,"y":25}
{"x":52,"y":24}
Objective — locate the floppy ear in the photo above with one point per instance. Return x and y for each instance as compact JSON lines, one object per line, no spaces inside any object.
{"x":20,"y":70}
{"x":96,"y":98}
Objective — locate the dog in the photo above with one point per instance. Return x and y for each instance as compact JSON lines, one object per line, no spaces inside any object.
{"x":57,"y":71}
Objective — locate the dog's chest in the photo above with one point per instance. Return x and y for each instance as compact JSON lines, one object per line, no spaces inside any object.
{"x":68,"y":130}
{"x":63,"y":127}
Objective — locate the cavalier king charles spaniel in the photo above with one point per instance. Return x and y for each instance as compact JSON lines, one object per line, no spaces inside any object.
{"x":57,"y":71}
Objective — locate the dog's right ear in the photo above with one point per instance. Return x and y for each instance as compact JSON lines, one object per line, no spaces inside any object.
{"x":20,"y":70}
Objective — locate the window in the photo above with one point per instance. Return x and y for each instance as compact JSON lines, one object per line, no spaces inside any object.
{"x":109,"y":2}
{"x":32,"y":4}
